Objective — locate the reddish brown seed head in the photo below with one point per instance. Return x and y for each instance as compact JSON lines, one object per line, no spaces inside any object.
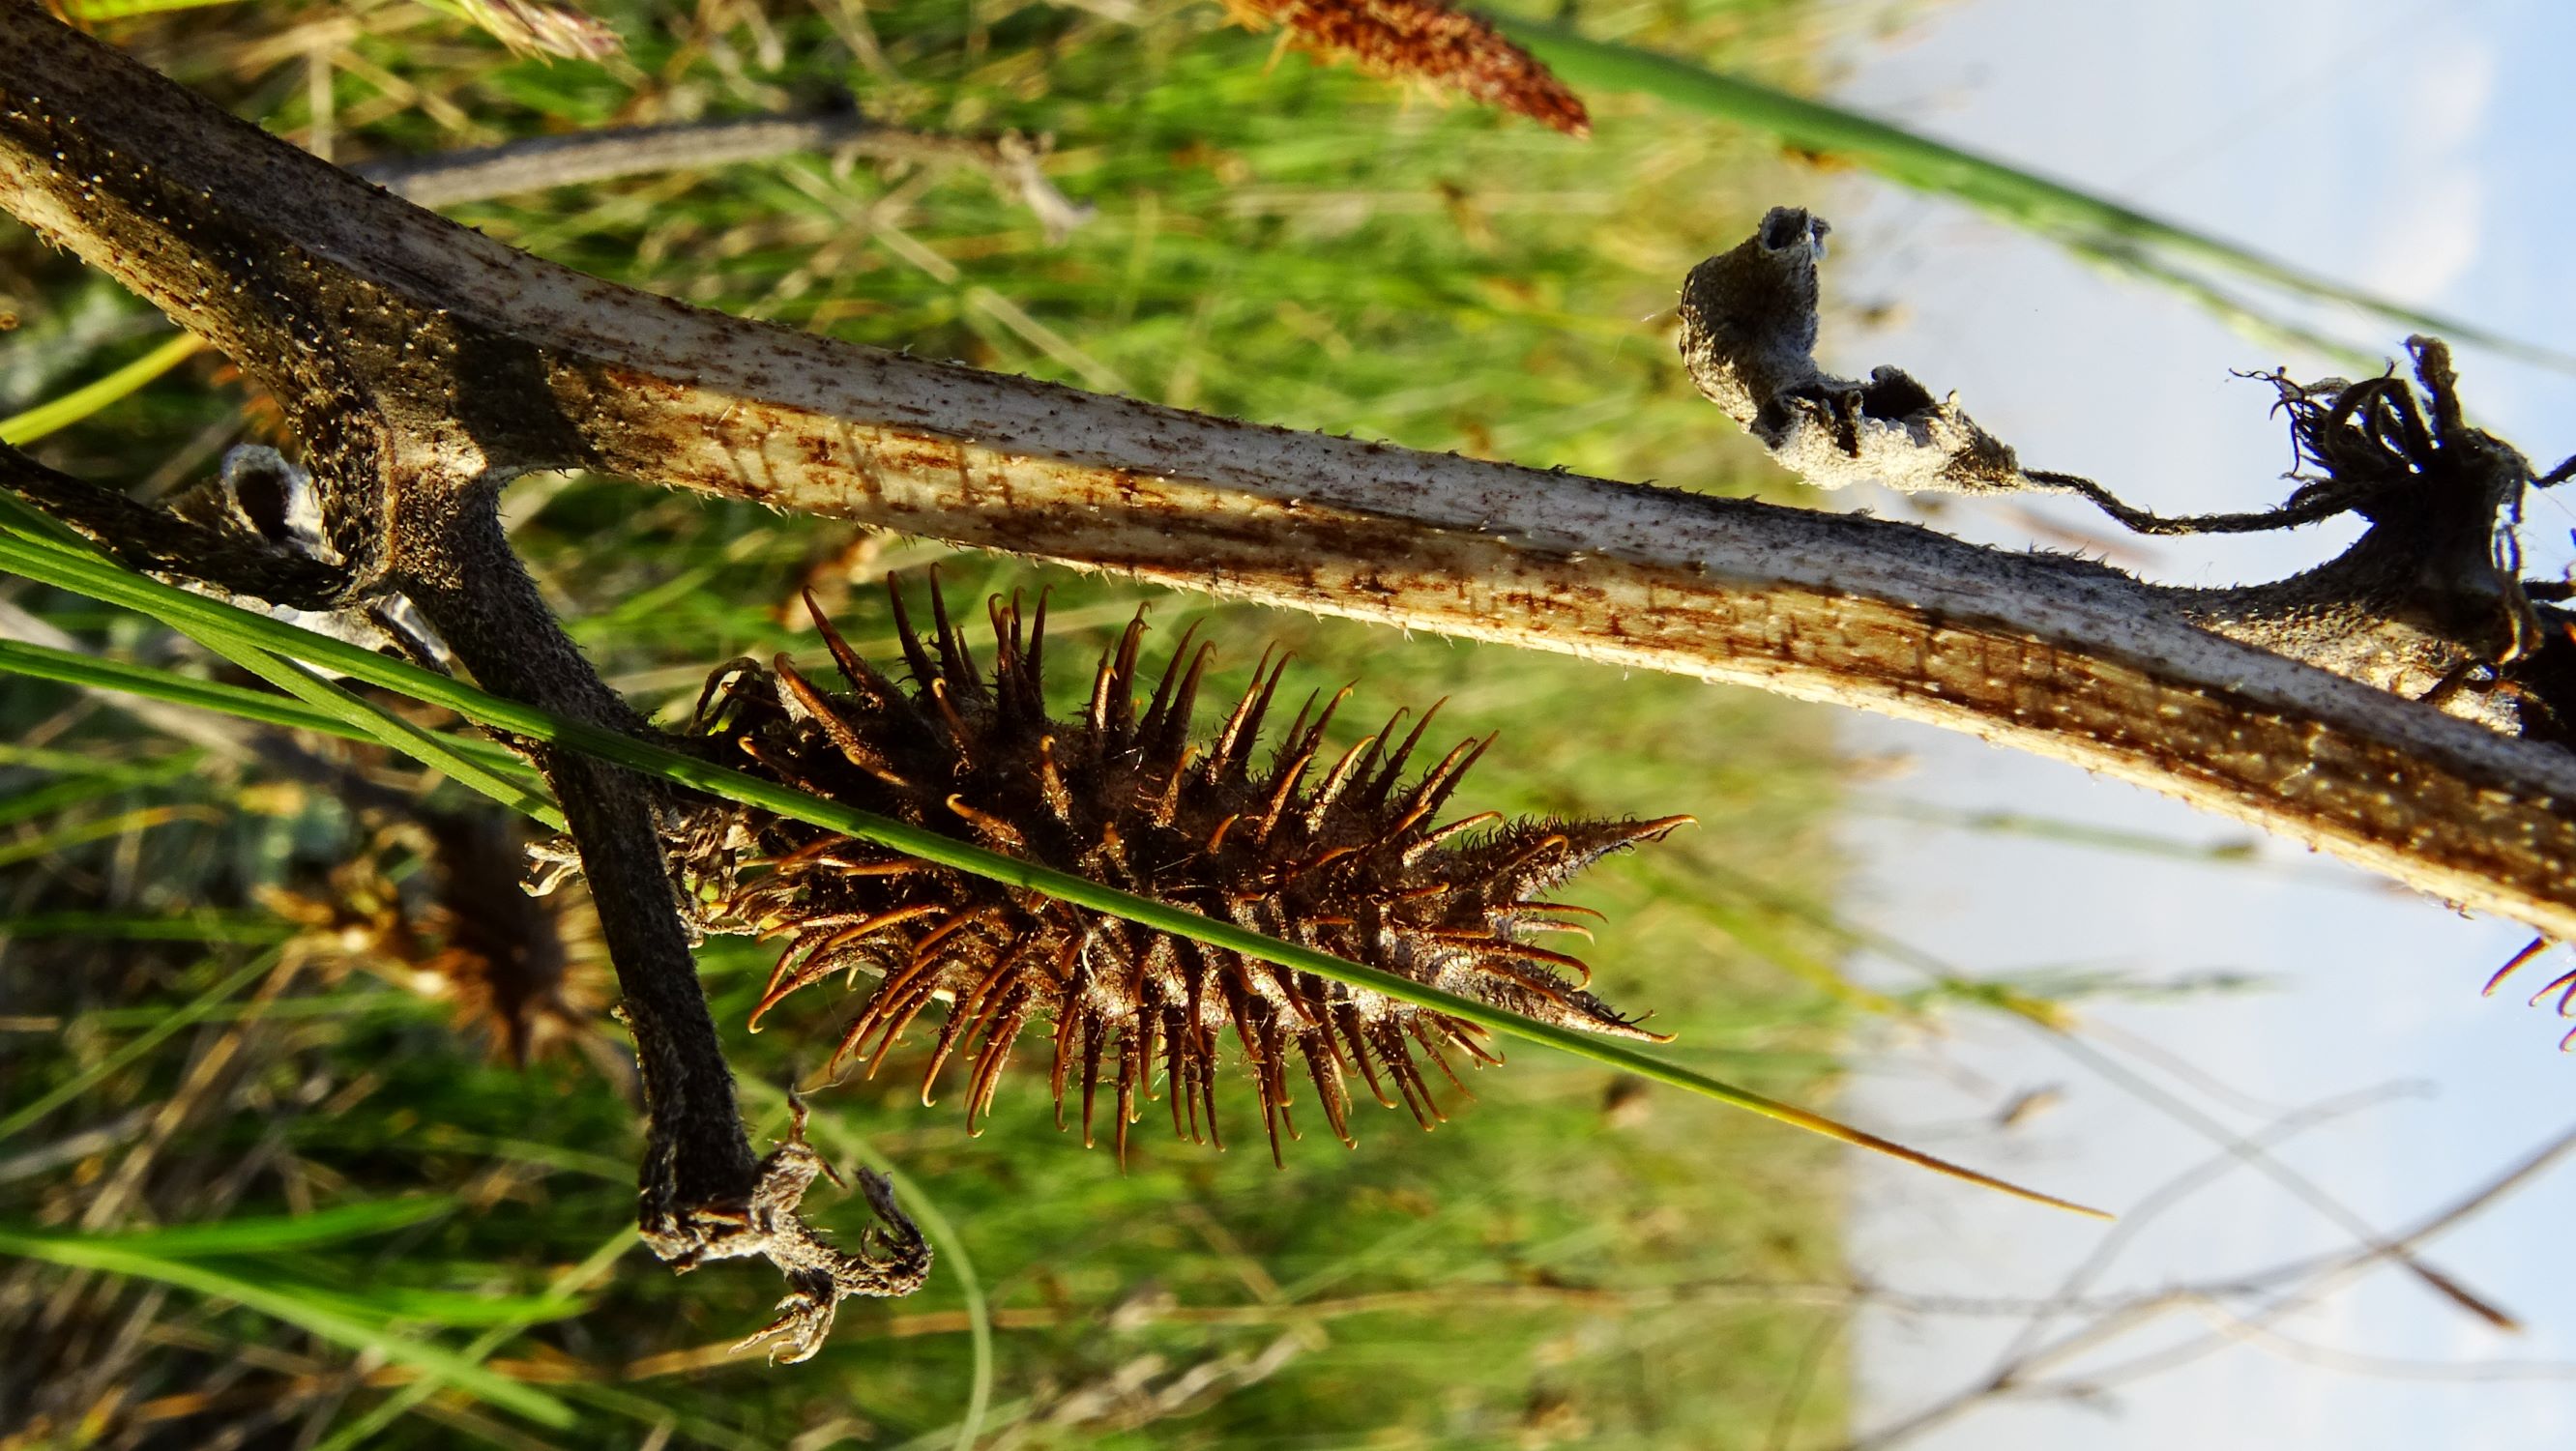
{"x":1426,"y":41}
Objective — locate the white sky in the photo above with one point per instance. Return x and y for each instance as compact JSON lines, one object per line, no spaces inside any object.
{"x":2418,"y":148}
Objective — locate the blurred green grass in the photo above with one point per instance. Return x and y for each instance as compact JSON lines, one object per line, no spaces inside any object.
{"x":1564,"y":1263}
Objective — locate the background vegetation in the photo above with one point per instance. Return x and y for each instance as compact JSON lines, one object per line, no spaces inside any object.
{"x":261,"y":1187}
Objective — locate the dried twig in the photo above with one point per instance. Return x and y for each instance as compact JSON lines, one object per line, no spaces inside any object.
{"x":447,"y":179}
{"x":2022,"y":1372}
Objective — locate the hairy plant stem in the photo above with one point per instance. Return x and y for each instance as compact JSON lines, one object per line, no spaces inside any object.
{"x":458,"y":567}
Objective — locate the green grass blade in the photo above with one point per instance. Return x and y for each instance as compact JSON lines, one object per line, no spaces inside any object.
{"x":218,"y":631}
{"x":238,"y":928}
{"x":104,"y":829}
{"x":97,"y":672}
{"x":40,"y":526}
{"x":81,"y":402}
{"x":45,"y":800}
{"x":425,"y":746}
{"x":270,"y":1234}
{"x":448,"y":1309}
{"x":67,"y":569}
{"x":129,"y":9}
{"x":86,"y":1252}
{"x":36,"y":758}
{"x":82,"y":1082}
{"x":2053,"y":209}
{"x":564,"y":1286}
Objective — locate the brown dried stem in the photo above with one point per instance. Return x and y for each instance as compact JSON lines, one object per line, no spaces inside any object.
{"x":1009,"y":160}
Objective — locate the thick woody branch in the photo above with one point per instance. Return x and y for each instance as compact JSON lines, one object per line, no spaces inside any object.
{"x":2049,"y":655}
